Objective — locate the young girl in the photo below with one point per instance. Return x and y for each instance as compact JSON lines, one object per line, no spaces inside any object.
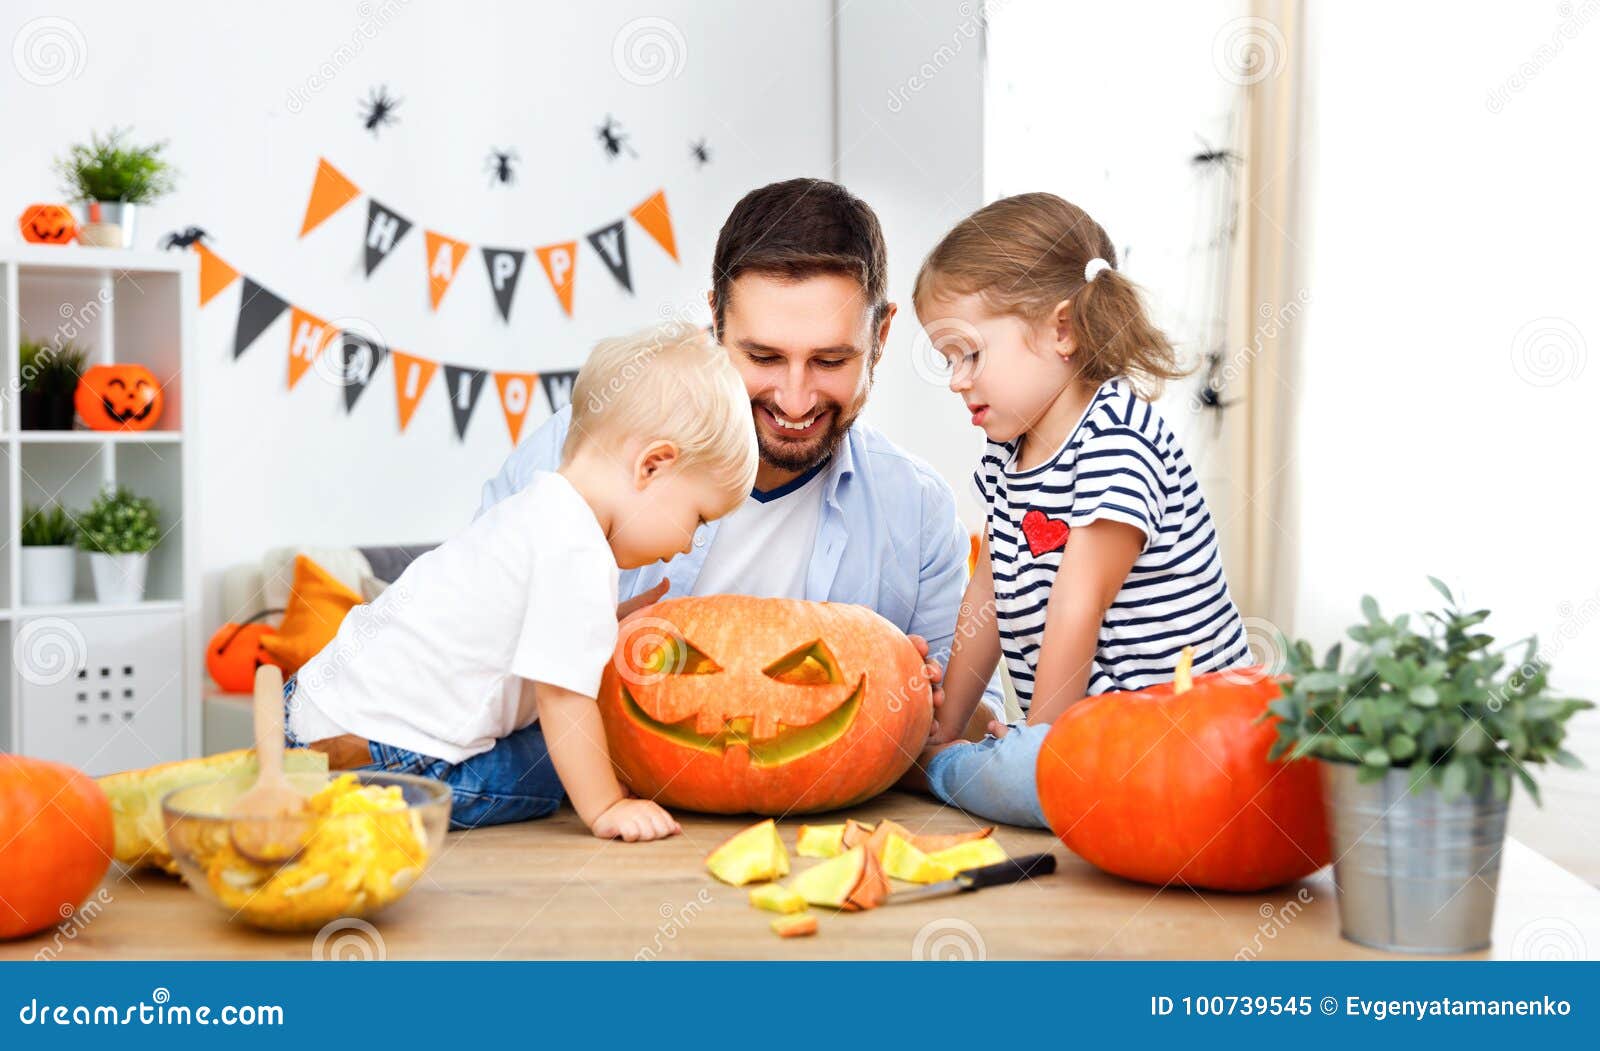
{"x":1100,"y":562}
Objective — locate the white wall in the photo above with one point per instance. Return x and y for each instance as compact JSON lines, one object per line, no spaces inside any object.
{"x":282,"y":467}
{"x":1442,"y":427}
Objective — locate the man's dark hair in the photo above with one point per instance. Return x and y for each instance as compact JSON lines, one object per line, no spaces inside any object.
{"x":796,"y":229}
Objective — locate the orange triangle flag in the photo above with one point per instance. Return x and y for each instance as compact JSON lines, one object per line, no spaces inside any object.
{"x":411,"y":378}
{"x":516,"y":395}
{"x":308,"y":335}
{"x":215,"y":275}
{"x":559,"y":262}
{"x":330,"y":192}
{"x":444,"y":259}
{"x":652,"y":214}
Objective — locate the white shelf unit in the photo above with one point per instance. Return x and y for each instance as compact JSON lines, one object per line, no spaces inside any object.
{"x":102,"y":687}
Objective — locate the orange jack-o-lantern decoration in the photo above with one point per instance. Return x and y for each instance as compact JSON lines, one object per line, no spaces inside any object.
{"x":118,"y":398}
{"x":729,"y":704}
{"x":234,"y":653}
{"x":1172,"y":784}
{"x":48,"y":224}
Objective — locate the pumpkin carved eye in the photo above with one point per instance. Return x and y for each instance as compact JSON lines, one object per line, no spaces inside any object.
{"x":810,"y":665}
{"x":677,"y":656}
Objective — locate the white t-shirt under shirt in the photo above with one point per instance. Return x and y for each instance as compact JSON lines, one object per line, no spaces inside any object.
{"x":764,"y":547}
{"x":1122,"y":464}
{"x":442,"y":663}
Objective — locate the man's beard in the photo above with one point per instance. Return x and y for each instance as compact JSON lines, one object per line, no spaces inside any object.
{"x":802,"y":456}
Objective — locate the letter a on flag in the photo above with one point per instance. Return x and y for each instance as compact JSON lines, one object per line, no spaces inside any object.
{"x":444,"y":259}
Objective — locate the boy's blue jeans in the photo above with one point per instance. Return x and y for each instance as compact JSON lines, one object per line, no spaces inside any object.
{"x":513,"y":781}
{"x":993,"y":778}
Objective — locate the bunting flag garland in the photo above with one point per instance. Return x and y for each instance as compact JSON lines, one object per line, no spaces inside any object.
{"x":463,"y":385}
{"x":385,"y":228}
{"x":559,"y":262}
{"x":330,"y":191}
{"x":359,"y":358}
{"x":558,"y":387}
{"x":258,"y":308}
{"x":516,"y":395}
{"x":411,"y":378}
{"x":612,"y":247}
{"x":444,"y":259}
{"x":215,"y":275}
{"x":308,"y":336}
{"x":505,"y":267}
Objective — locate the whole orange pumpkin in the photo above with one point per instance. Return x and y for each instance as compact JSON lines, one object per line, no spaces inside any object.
{"x":234,"y":653}
{"x":56,"y":842}
{"x":118,"y":398}
{"x":48,"y":224}
{"x":1172,"y":784}
{"x":730,"y":704}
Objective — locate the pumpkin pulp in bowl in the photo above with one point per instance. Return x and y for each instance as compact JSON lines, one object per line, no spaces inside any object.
{"x":369,"y":835}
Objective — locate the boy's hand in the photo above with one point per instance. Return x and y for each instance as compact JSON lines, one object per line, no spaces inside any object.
{"x":635,"y":820}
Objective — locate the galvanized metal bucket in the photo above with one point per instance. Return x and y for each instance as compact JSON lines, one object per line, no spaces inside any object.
{"x":106,"y":224}
{"x":1415,"y":872}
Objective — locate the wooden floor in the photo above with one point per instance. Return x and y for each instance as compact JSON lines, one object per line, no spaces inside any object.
{"x":549,"y":889}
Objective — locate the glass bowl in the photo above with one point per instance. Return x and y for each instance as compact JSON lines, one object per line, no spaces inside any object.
{"x":368,"y":837}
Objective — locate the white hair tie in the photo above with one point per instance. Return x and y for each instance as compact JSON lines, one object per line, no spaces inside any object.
{"x":1092,"y":268}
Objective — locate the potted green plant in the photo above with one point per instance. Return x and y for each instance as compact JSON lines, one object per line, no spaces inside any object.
{"x":49,"y":376}
{"x":49,"y":555}
{"x":1421,"y":731}
{"x":119,"y":530}
{"x":109,"y":179}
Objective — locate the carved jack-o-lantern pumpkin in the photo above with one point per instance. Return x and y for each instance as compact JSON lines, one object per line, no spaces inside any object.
{"x":118,"y":398}
{"x":234,"y":652}
{"x":729,"y":704}
{"x":48,"y":224}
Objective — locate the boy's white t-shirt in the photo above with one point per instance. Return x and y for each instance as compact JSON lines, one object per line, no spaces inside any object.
{"x":442,"y":663}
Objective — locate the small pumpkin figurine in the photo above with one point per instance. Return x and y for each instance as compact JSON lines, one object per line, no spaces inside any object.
{"x":234,"y":652}
{"x":48,"y":224}
{"x":118,"y":398}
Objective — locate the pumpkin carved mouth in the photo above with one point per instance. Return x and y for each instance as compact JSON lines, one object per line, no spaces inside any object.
{"x":786,"y":745}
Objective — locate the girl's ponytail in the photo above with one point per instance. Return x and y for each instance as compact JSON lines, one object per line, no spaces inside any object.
{"x":1027,"y":253}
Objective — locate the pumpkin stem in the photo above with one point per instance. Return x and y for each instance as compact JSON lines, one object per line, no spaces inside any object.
{"x":1182,"y":675}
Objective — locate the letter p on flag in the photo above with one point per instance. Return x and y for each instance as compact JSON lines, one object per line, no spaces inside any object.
{"x":559,"y":261}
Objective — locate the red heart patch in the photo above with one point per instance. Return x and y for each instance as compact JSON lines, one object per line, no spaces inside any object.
{"x":1044,"y":533}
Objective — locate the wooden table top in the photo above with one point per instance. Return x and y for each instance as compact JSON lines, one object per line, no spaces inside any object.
{"x":547,"y":889}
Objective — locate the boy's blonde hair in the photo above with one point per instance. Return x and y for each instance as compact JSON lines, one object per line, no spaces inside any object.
{"x":670,"y":381}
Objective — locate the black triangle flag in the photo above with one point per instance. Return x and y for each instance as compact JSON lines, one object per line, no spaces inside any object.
{"x":505,"y":266}
{"x":612,"y":246}
{"x":558,"y":387}
{"x":258,"y":308}
{"x":359,"y":358}
{"x":384,"y":230}
{"x":463,"y":385}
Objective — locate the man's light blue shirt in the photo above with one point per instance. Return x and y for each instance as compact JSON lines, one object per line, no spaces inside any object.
{"x":888,"y":537}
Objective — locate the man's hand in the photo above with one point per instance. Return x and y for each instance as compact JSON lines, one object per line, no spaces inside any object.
{"x":935,"y":677}
{"x":648,"y":598}
{"x":635,"y":820}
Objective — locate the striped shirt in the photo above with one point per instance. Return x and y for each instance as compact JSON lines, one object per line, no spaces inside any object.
{"x":1121,"y":463}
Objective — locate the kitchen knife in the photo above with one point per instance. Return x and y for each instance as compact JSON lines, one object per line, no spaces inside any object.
{"x":1012,"y":870}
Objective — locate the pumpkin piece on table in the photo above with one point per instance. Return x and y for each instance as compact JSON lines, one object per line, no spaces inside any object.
{"x":753,"y":855}
{"x":902,"y":860}
{"x":820,"y":841}
{"x":317,"y":606}
{"x":56,"y":842}
{"x":732,"y":704}
{"x":798,"y":926}
{"x":881,"y":833}
{"x":775,"y":897}
{"x":852,"y":881}
{"x":48,"y":224}
{"x":855,"y":833}
{"x":121,"y":397}
{"x":1172,"y":784}
{"x":973,"y":854}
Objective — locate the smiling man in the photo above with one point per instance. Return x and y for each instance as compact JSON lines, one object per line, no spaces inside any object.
{"x":839,"y":513}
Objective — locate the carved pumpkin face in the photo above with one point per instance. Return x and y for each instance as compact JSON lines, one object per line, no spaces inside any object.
{"x":49,"y":224}
{"x":118,"y":398}
{"x":729,"y":704}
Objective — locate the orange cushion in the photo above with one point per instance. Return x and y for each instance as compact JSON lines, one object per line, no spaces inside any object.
{"x":317,"y":606}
